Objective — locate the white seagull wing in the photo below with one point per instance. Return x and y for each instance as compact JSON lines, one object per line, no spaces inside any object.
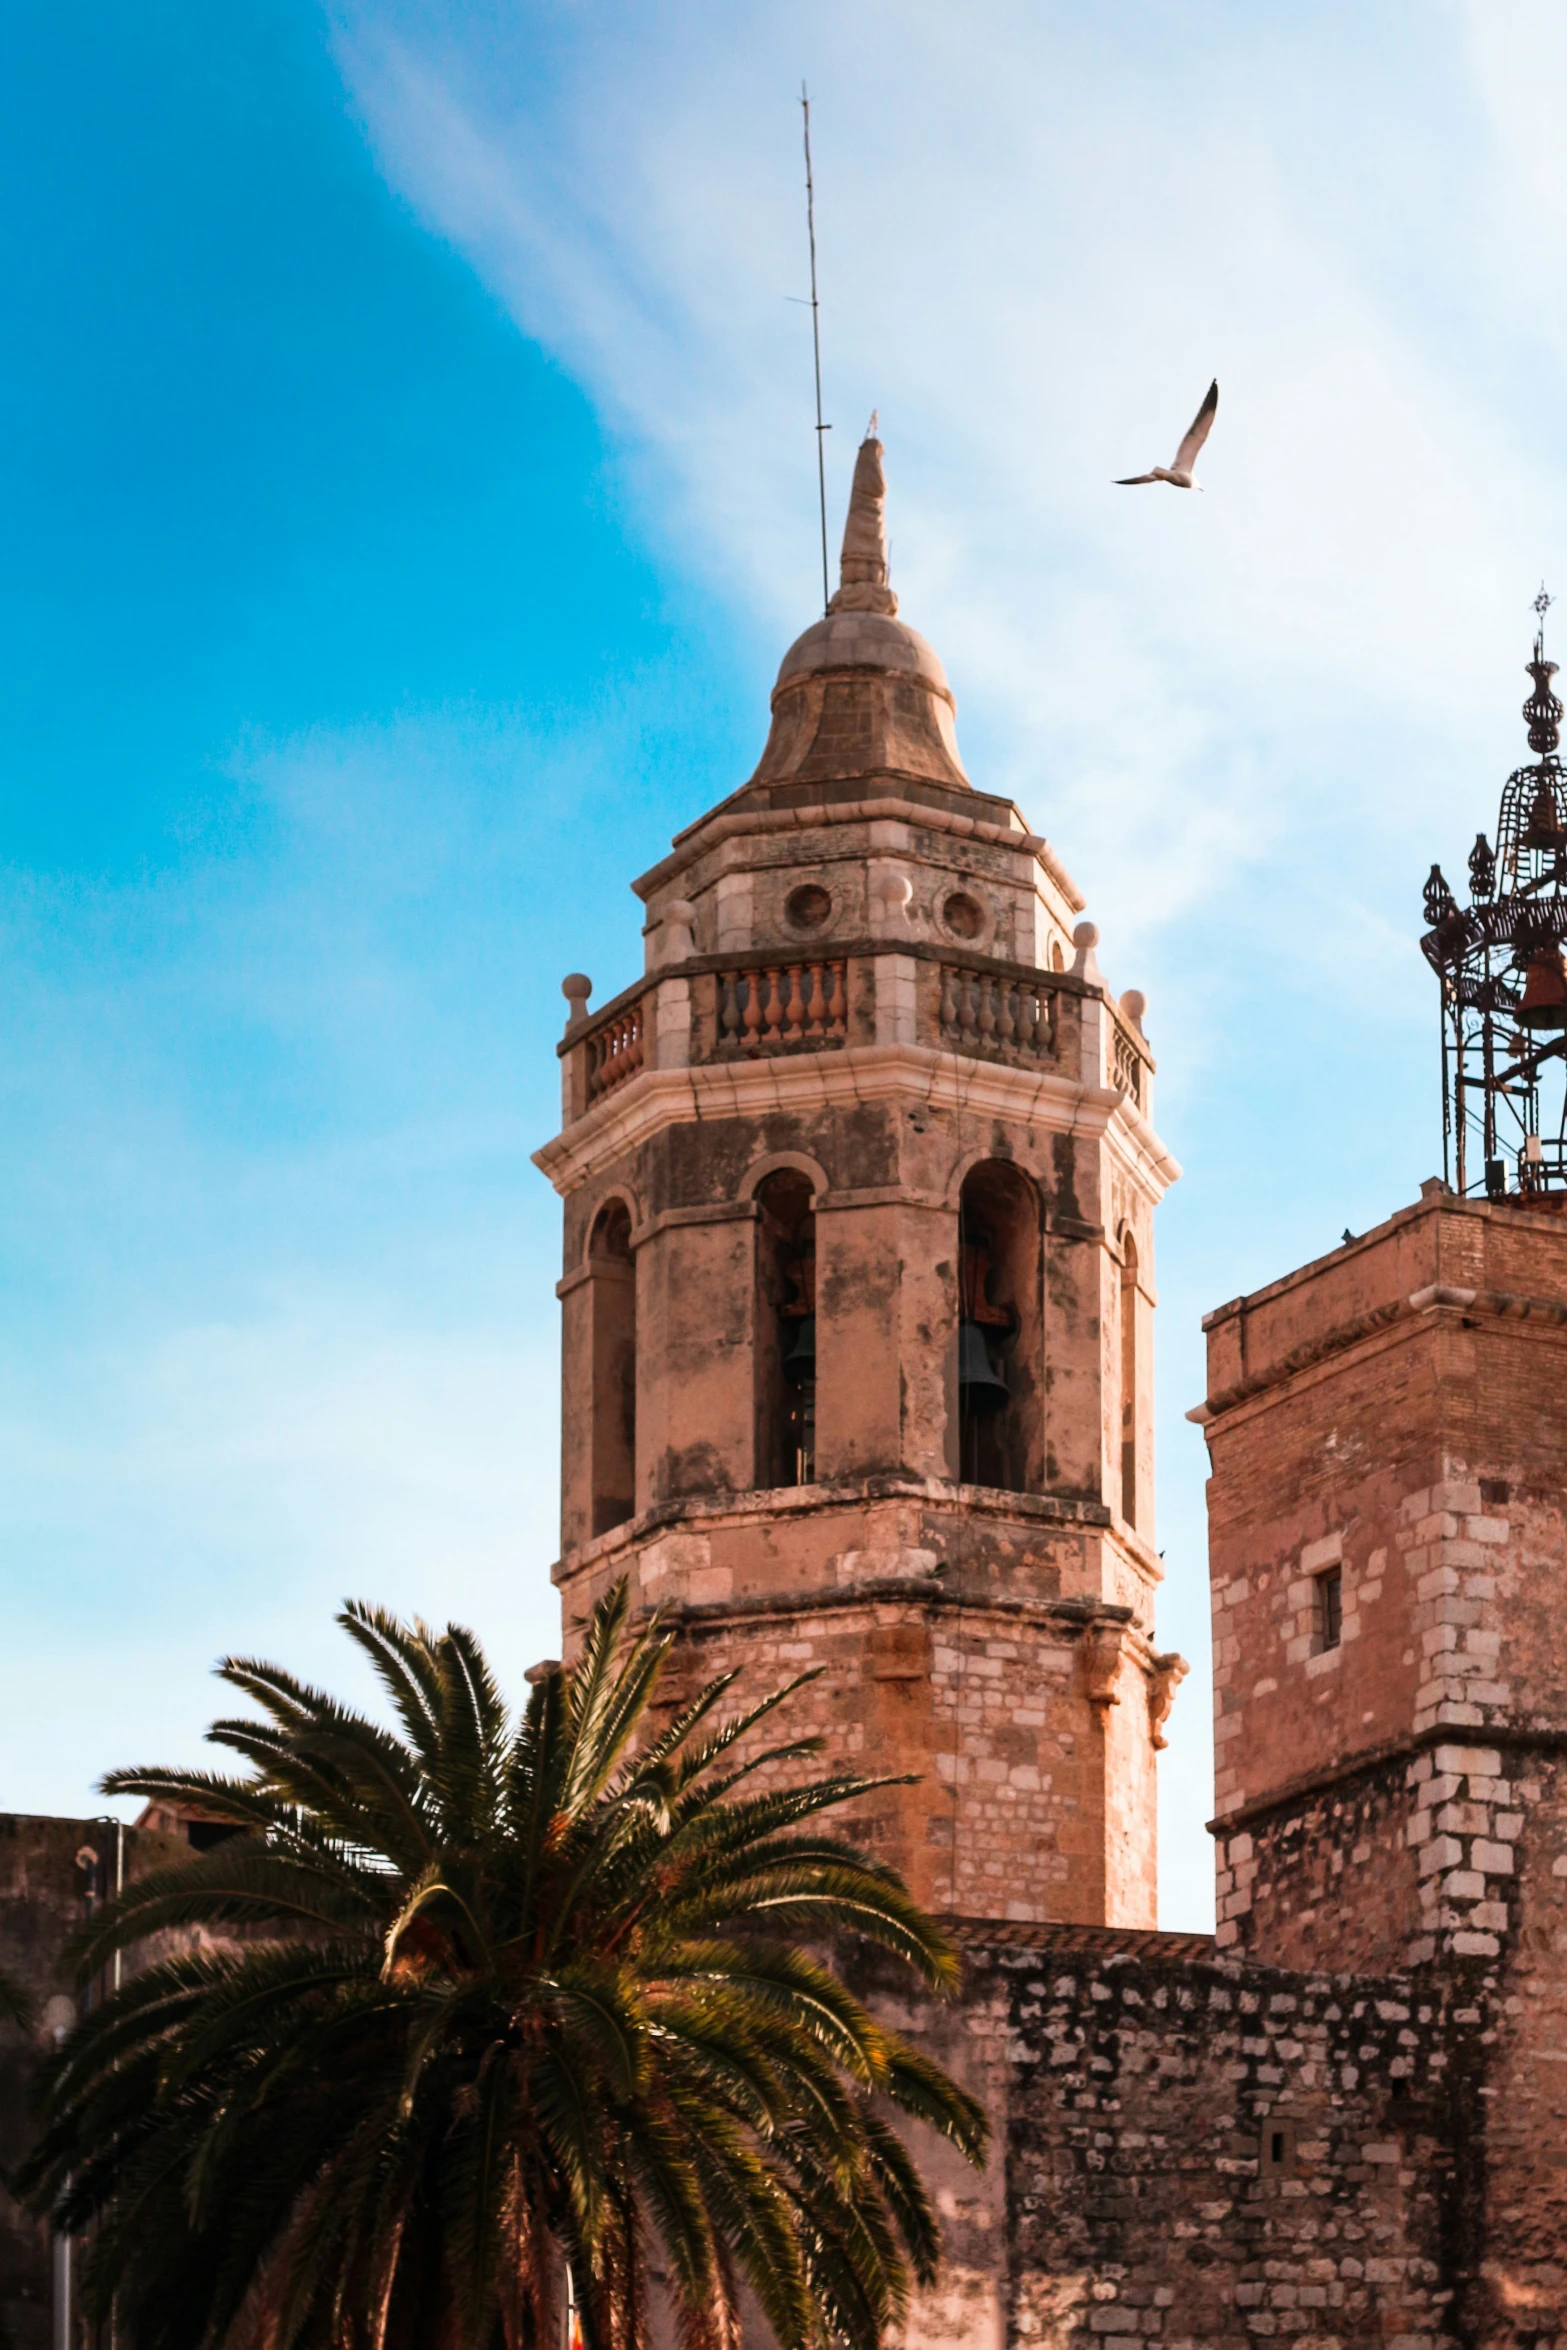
{"x":1132,"y":481}
{"x":1197,"y":431}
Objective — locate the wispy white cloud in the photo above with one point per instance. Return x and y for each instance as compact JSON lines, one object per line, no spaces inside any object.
{"x":1040,"y":233}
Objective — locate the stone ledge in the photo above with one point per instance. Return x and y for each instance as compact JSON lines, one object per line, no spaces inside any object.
{"x":1519,"y":1737}
{"x":1109,"y":1942}
{"x":766,"y":1505}
{"x":1074,"y":1615}
{"x":1495,"y":1304}
{"x":850,"y":1076}
{"x":898,"y":804}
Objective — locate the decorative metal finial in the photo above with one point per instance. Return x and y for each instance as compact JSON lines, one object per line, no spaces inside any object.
{"x":1439,"y":899}
{"x":1504,"y":978}
{"x":1542,"y":711}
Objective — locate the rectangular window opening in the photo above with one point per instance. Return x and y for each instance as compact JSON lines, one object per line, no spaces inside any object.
{"x":1330,"y":1609}
{"x":1278,"y":2146}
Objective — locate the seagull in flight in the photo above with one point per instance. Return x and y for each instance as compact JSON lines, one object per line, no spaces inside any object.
{"x":1179,"y":475}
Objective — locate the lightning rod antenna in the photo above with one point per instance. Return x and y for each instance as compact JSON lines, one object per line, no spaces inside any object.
{"x":816,"y":345}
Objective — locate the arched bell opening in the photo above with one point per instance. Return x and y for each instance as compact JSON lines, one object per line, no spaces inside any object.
{"x":1000,"y":1330}
{"x":1128,"y":1414}
{"x":785,"y":1351}
{"x":612,"y":1274}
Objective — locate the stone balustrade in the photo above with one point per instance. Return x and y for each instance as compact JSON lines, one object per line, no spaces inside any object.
{"x":739,"y":1008}
{"x":1127,"y":1067}
{"x":774,"y":1007}
{"x":615,"y":1049}
{"x":1009,"y":1016}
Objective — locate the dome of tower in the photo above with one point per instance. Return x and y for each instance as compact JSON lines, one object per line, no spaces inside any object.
{"x":863,"y":640}
{"x":860,"y":693}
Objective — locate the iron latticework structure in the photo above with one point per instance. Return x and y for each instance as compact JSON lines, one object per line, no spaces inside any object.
{"x":1504,"y":982}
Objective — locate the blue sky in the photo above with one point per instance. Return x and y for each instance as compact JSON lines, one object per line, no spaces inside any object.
{"x":405,"y":493}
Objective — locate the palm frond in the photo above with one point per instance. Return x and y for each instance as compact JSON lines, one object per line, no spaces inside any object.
{"x":16,"y":2003}
{"x":468,"y":2001}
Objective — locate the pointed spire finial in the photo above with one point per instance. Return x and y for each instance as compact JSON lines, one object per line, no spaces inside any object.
{"x":1542,"y":710}
{"x":862,"y":573}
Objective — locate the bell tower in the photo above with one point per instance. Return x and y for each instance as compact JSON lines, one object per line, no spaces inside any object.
{"x":859,"y":1180}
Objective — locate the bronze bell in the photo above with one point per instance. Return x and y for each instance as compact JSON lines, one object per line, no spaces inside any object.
{"x":980,"y":1385}
{"x":1544,"y":991}
{"x":800,"y":1361}
{"x":1544,"y":829}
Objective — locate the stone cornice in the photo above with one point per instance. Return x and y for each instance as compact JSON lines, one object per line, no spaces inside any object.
{"x":1072,"y":1616}
{"x":770,"y":1505}
{"x":1436,"y":1298}
{"x":1111,"y":1945}
{"x":1306,"y":1786}
{"x":857,"y":1074}
{"x":708,"y":831}
{"x":766,"y":1504}
{"x":1071,"y":1619}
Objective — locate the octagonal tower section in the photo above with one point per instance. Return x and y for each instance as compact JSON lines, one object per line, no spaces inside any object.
{"x":859,"y":1180}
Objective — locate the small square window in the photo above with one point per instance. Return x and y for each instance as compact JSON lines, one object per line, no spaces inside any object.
{"x":1330,"y":1609}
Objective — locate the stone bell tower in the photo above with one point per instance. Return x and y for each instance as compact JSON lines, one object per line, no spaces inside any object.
{"x":859,"y":1179}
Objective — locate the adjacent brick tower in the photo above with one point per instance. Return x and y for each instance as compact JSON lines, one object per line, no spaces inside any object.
{"x":1388,"y":1550}
{"x":859,"y":1181}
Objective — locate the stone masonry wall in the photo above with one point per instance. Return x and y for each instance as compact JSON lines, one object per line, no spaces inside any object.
{"x":1032,"y":1799}
{"x":1521,"y":2301}
{"x":1428,"y":1840}
{"x":1482,"y":1829}
{"x":1191,"y":2151}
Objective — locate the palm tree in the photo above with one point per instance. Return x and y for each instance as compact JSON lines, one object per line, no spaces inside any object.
{"x":465,"y":2019}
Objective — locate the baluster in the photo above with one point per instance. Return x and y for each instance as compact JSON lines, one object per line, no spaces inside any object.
{"x":987,"y":1017}
{"x":729,"y":1007}
{"x":795,"y":1009}
{"x":773,"y":1016}
{"x":949,"y":1001}
{"x":1006,"y":1026}
{"x":837,"y":1004}
{"x":1034,"y":1005}
{"x":968,"y":989}
{"x":816,"y":1008}
{"x":753,"y":1012}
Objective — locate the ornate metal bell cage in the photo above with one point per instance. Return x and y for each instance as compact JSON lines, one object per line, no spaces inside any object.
{"x":1503,"y":979}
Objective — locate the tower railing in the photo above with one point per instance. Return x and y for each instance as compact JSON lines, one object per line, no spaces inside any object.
{"x":773,"y":1005}
{"x":1010,"y":1015}
{"x":614,"y":1049}
{"x":744,"y":1006}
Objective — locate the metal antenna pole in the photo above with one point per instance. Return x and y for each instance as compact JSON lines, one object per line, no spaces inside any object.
{"x":816,"y":345}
